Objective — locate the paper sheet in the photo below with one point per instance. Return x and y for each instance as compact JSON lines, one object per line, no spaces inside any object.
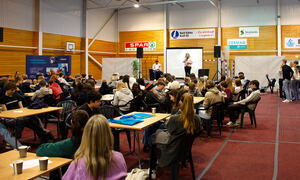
{"x":31,"y":163}
{"x":18,"y":111}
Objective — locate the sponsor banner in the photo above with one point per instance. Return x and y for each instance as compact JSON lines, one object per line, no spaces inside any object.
{"x":249,"y":31}
{"x":237,"y":43}
{"x":292,"y":42}
{"x":193,"y":34}
{"x":148,"y":46}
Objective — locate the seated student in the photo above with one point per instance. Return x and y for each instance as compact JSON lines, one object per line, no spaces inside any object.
{"x":83,"y":78}
{"x":228,"y":81}
{"x":122,"y":96}
{"x":69,"y":78}
{"x":242,"y":78}
{"x":25,"y":86}
{"x":136,"y":90}
{"x":159,"y":91}
{"x":66,"y":148}
{"x":105,"y":89}
{"x":213,"y":95}
{"x":227,"y":92}
{"x":8,"y":137}
{"x":62,"y":80}
{"x":37,"y":86}
{"x":19,"y":93}
{"x":237,"y":89}
{"x":185,"y":122}
{"x":150,"y":97}
{"x":141,"y":82}
{"x":113,"y":81}
{"x":175,"y":96}
{"x":56,"y":89}
{"x":95,"y":158}
{"x":194,"y":91}
{"x":187,"y":81}
{"x":156,"y":67}
{"x":91,"y":77}
{"x":43,"y":91}
{"x":8,"y":102}
{"x":235,"y":108}
{"x":94,"y":101}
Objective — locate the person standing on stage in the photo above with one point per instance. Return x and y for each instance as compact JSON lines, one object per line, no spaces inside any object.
{"x":156,"y":70}
{"x":187,"y":64}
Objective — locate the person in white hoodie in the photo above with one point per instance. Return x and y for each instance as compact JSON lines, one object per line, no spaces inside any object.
{"x":43,"y":91}
{"x":122,"y":96}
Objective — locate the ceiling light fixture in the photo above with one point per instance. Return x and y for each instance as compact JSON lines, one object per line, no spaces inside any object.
{"x":136,"y":5}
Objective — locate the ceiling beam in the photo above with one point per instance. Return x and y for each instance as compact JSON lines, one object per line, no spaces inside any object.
{"x":151,"y":4}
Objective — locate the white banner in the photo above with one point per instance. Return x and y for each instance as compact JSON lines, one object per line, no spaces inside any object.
{"x":193,"y":34}
{"x":249,"y":31}
{"x":292,"y":43}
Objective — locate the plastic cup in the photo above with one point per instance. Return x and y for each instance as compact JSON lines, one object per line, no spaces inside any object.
{"x":18,"y":167}
{"x":153,"y":110}
{"x":43,"y":163}
{"x":23,"y":151}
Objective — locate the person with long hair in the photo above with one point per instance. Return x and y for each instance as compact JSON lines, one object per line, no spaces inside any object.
{"x":185,"y":122}
{"x":66,"y":148}
{"x":228,"y":81}
{"x":122,"y":96}
{"x":95,"y":158}
{"x":187,"y":64}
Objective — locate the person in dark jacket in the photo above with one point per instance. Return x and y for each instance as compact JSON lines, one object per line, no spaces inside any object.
{"x":287,"y":74}
{"x":105,"y":89}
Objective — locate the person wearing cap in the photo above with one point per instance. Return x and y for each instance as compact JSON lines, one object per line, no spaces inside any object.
{"x":156,"y":70}
{"x":151,"y":98}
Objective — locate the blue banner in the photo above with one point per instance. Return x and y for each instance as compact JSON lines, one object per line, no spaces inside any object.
{"x":45,"y":64}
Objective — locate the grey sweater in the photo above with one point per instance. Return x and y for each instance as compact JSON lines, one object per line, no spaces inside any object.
{"x":41,"y":93}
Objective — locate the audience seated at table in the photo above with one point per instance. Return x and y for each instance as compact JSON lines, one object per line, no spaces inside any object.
{"x":150,"y":98}
{"x":94,"y":101}
{"x":43,"y":91}
{"x":106,"y":89}
{"x":194,"y":91}
{"x":95,"y":158}
{"x":122,"y":96}
{"x":159,"y":91}
{"x":25,"y":85}
{"x":62,"y":80}
{"x":8,"y":102}
{"x":66,"y":148}
{"x":213,"y":95}
{"x":185,"y":122}
{"x":54,"y":85}
{"x":235,"y":108}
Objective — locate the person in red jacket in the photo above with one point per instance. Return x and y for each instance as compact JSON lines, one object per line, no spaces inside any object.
{"x":56,"y":90}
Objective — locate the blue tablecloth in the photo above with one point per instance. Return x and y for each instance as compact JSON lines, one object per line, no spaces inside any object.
{"x":131,"y":119}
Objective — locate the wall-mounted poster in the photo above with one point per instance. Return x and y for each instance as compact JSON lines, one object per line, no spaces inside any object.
{"x":237,"y":43}
{"x":292,"y":43}
{"x":47,"y":65}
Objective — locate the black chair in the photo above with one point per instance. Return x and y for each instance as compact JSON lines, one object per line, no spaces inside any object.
{"x":184,"y":153}
{"x":110,"y":112}
{"x":217,"y":114}
{"x":251,"y":113}
{"x":68,"y":106}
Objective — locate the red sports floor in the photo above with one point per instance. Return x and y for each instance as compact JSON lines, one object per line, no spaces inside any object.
{"x":270,"y":151}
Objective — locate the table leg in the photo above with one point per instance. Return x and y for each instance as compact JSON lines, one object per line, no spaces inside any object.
{"x":139,"y":150}
{"x":16,"y":135}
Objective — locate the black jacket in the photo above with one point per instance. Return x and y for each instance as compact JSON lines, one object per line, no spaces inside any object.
{"x":287,"y":72}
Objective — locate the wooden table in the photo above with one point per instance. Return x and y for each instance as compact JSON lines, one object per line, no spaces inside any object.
{"x":29,"y":94}
{"x":140,"y":126}
{"x":6,"y":171}
{"x":107,"y":97}
{"x":24,"y":112}
{"x":198,"y":100}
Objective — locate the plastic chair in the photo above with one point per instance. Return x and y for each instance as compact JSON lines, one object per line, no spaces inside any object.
{"x":217,"y":114}
{"x":251,"y":113}
{"x":185,"y":153}
{"x":109,"y":112}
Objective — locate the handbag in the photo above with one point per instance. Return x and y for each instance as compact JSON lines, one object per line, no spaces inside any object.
{"x":138,"y":174}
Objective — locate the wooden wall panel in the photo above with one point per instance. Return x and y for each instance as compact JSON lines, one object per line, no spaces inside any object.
{"x":14,"y":59}
{"x":286,"y":32}
{"x":266,"y":41}
{"x":149,"y":56}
